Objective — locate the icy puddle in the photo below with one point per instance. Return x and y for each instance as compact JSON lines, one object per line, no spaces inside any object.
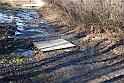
{"x":24,"y":20}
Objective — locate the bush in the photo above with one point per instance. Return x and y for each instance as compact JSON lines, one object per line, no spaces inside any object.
{"x":96,"y":16}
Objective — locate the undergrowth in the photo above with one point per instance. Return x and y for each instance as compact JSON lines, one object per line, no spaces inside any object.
{"x":86,"y":17}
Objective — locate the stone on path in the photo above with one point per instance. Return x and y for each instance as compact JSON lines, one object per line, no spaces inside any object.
{"x":50,"y":45}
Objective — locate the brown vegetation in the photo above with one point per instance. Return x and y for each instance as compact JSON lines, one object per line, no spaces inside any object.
{"x":96,"y":16}
{"x":98,"y":24}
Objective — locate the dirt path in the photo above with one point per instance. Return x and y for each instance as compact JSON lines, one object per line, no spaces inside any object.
{"x":31,"y":27}
{"x":62,"y":66}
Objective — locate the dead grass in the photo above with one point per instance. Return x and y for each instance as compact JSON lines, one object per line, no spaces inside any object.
{"x":95,"y":17}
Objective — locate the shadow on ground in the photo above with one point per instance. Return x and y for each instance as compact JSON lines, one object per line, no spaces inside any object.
{"x":81,"y":67}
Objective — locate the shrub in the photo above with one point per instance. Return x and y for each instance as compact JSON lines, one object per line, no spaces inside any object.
{"x":96,"y":16}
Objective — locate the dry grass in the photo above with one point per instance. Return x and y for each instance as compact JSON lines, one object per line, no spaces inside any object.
{"x":95,"y":17}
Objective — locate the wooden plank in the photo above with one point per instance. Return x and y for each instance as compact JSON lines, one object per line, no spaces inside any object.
{"x":53,"y":45}
{"x":35,"y":5}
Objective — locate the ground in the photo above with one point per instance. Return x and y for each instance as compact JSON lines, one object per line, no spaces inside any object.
{"x":96,"y":59}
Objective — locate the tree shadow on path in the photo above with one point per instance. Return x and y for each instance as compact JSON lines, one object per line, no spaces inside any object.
{"x":72,"y":62}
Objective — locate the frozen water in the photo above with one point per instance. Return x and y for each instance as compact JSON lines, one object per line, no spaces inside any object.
{"x":34,"y":25}
{"x":28,"y":53}
{"x":83,"y":48}
{"x":22,"y":21}
{"x":18,"y":33}
{"x":43,"y":21}
{"x":26,"y":16}
{"x":6,"y":18}
{"x":19,"y":24}
{"x":20,"y":28}
{"x":19,"y":49}
{"x":18,"y":20}
{"x":35,"y":30}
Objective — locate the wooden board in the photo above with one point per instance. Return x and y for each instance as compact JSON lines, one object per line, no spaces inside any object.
{"x":53,"y":45}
